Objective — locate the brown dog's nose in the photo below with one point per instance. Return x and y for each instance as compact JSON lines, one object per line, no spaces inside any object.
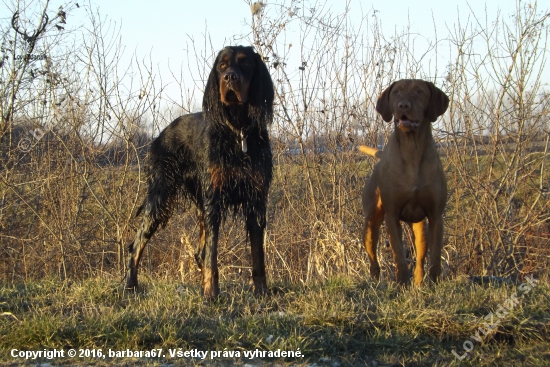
{"x":230,"y":76}
{"x":404,"y":105}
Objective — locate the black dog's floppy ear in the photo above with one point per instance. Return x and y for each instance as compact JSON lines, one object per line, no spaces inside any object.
{"x":211,"y":99}
{"x":439,"y":102}
{"x":261,"y":92}
{"x":383,"y":104}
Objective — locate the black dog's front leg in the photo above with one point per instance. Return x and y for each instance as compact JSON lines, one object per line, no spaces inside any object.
{"x":199,"y":251}
{"x":210,"y":285}
{"x":256,"y":228}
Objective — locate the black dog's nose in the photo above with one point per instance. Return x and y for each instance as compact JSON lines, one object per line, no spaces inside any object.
{"x":404,"y":105}
{"x":230,"y":76}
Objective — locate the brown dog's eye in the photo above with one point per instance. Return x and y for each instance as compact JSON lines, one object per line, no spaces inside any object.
{"x":419,"y":91}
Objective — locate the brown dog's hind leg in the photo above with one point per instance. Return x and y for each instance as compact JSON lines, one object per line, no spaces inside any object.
{"x":419,"y":230}
{"x":199,"y":251}
{"x":156,"y":209}
{"x":435,"y":242}
{"x":374,"y":216}
{"x":371,"y":233}
{"x":256,"y":234}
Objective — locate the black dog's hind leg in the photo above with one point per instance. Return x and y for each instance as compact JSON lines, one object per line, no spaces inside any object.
{"x":146,"y":230}
{"x":255,"y":226}
{"x":157,"y":210}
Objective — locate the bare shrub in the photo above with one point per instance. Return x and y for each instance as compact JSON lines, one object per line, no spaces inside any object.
{"x":496,"y":145}
{"x":67,"y":203}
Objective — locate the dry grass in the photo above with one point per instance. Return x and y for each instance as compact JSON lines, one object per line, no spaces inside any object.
{"x":336,"y":322}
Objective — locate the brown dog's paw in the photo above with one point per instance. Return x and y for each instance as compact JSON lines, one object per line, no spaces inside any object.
{"x":435,"y":275}
{"x":418,"y":276}
{"x":210,"y":295}
{"x":375,"y":272}
{"x":261,"y":291}
{"x":403,"y":277}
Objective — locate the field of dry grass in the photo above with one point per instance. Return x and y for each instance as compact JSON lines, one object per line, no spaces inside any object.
{"x":338,"y":322}
{"x":67,"y":199}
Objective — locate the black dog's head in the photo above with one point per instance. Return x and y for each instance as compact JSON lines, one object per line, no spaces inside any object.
{"x":239,"y":80}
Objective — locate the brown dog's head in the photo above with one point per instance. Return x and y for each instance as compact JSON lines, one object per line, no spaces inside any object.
{"x":410,"y":102}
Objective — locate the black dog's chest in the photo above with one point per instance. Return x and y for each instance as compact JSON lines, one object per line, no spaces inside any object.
{"x":240,"y":179}
{"x":226,"y":178}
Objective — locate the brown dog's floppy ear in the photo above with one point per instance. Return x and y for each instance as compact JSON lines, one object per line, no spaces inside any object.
{"x":438,"y":103}
{"x":383,"y":104}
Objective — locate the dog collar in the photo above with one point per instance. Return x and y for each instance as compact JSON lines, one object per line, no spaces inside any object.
{"x":242,"y":135}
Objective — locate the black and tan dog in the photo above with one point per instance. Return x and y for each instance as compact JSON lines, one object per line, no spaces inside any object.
{"x":408,"y":183}
{"x":219,"y":160}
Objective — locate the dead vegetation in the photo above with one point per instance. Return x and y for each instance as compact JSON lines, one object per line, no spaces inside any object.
{"x":74,"y":135}
{"x":340,"y":322}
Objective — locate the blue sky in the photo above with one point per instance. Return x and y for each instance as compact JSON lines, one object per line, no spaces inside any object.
{"x":163,"y":27}
{"x":161,"y":31}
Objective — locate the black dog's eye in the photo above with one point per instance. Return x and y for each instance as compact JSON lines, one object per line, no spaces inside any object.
{"x":245,"y":63}
{"x":223,"y":66}
{"x":419,"y":91}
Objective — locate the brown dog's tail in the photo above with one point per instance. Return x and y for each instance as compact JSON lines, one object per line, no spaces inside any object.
{"x":373,"y":152}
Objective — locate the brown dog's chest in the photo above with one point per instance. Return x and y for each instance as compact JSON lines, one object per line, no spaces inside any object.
{"x":412,"y":193}
{"x":415,"y":204}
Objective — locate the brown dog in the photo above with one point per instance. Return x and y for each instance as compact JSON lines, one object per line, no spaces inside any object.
{"x":408,"y":183}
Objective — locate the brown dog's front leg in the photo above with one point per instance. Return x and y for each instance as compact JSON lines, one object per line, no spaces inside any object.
{"x":256,"y":232}
{"x":419,"y":230}
{"x":395,"y":232}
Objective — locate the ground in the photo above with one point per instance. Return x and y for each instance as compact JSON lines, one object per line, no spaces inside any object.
{"x":339,"y":322}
